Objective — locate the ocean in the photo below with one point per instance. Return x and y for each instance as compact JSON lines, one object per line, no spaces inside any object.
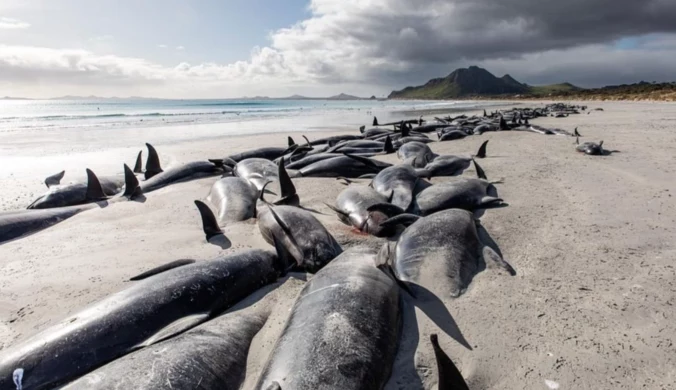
{"x":17,"y":115}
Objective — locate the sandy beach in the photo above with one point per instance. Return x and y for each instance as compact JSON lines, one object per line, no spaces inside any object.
{"x":591,"y":239}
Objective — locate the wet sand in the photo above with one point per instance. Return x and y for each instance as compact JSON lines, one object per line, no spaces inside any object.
{"x":591,"y":239}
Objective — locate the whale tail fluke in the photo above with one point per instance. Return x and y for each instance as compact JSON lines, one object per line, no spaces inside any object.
{"x":54,"y":179}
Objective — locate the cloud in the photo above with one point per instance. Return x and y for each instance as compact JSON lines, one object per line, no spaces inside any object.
{"x":379,"y":45}
{"x":101,"y":39}
{"x":162,"y":46}
{"x":388,"y":40}
{"x":9,"y":23}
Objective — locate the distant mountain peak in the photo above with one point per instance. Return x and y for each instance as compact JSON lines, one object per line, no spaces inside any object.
{"x":344,"y":96}
{"x":463,"y":82}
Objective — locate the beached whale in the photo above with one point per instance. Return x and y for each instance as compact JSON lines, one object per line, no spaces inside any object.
{"x":151,"y":310}
{"x":465,"y":193}
{"x":364,"y":146}
{"x":302,"y":235}
{"x":334,"y":139}
{"x":157,"y":178}
{"x":343,"y":330}
{"x":235,"y":199}
{"x":450,"y":165}
{"x":77,"y":193}
{"x":451,"y":135}
{"x":353,"y":207}
{"x":310,"y":159}
{"x":398,"y":183}
{"x":258,"y":171}
{"x":590,"y":148}
{"x":343,"y":166}
{"x":210,"y":356}
{"x":20,"y":223}
{"x":440,"y":252}
{"x":270,"y":153}
{"x":418,"y":150}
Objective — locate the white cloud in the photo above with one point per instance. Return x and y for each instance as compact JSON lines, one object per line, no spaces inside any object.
{"x":379,"y":45}
{"x":101,"y":39}
{"x":9,"y":23}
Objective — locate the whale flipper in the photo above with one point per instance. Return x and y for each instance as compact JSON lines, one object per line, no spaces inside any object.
{"x":401,"y":219}
{"x":209,"y":222}
{"x":450,"y":377}
{"x":295,"y":250}
{"x":153,"y":166}
{"x":479,"y":171}
{"x":386,"y":208}
{"x":162,"y":268}
{"x":177,"y":327}
{"x":54,"y":179}
{"x":138,"y":167}
{"x":94,"y":189}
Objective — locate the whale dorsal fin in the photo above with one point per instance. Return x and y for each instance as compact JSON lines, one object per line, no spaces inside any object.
{"x":291,"y":141}
{"x":361,"y":129}
{"x":375,"y":121}
{"x":153,"y":166}
{"x":162,"y":268}
{"x":138,"y":167}
{"x":388,"y":148}
{"x":450,"y":377}
{"x":288,"y":190}
{"x":94,"y":189}
{"x":131,"y":185}
{"x":54,"y":179}
{"x":209,"y":222}
{"x":482,"y":150}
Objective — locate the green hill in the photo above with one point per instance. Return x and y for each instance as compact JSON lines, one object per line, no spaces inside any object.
{"x":463,"y":82}
{"x":553,"y":89}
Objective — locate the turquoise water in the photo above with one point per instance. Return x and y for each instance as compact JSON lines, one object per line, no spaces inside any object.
{"x":125,"y":113}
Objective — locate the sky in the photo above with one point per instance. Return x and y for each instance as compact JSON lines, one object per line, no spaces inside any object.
{"x":234,"y":48}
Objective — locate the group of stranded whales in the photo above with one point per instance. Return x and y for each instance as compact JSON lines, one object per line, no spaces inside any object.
{"x":172,"y":329}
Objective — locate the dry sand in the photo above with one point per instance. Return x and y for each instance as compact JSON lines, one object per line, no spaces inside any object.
{"x":591,"y":238}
